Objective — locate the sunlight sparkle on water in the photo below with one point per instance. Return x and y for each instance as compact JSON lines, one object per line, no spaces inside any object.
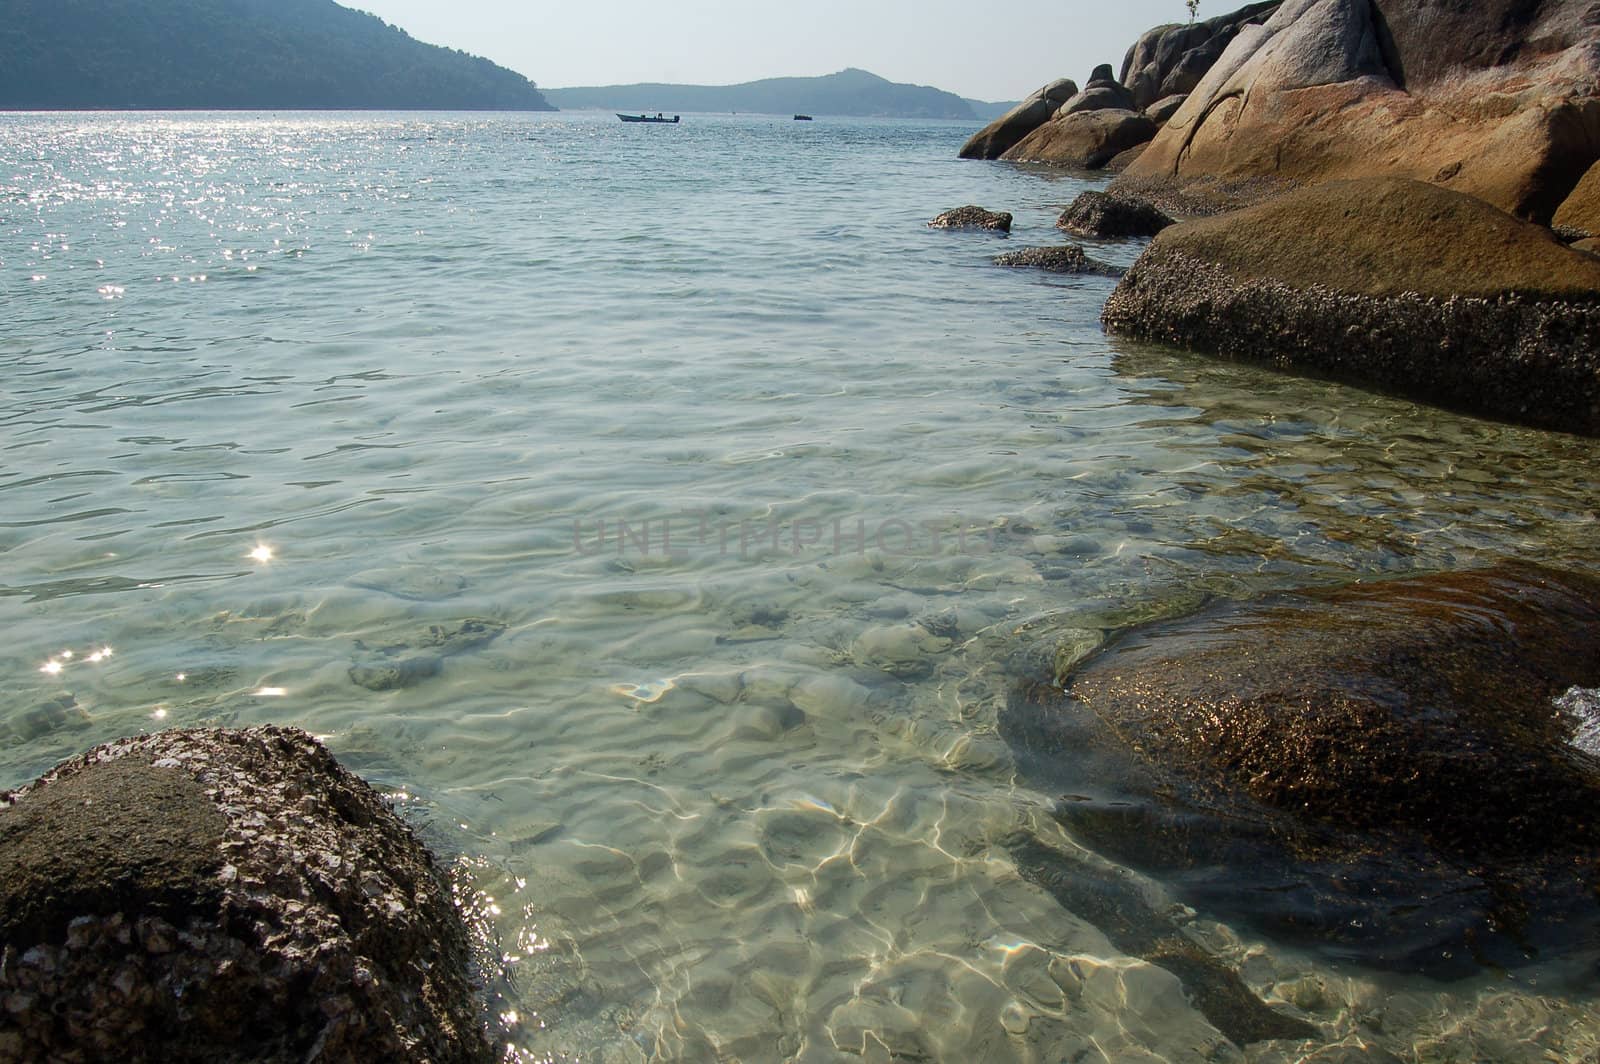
{"x":262,"y":553}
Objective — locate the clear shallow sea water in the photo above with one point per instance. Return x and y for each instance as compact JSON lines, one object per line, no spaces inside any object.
{"x":287,"y":396}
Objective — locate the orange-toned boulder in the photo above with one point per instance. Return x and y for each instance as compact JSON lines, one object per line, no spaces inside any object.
{"x":1581,"y":208}
{"x":1493,"y":98}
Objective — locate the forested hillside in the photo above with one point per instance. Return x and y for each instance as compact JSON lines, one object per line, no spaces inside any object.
{"x":255,"y":54}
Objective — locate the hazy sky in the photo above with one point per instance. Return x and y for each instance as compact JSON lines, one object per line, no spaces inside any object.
{"x":994,"y":50}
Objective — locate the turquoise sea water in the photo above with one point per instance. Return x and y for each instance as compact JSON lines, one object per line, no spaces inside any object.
{"x":685,"y":508}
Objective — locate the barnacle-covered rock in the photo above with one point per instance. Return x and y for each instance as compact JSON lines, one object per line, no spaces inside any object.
{"x":224,"y":895}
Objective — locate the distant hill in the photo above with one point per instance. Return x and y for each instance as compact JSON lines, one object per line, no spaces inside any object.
{"x":849,"y":92}
{"x":988,"y":112}
{"x":226,"y":54}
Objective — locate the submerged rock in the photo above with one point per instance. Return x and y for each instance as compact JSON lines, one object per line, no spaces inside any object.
{"x":396,"y":666}
{"x":1116,"y":907}
{"x":993,"y":140}
{"x":206,"y":895}
{"x":1099,"y":215}
{"x":973,"y":217}
{"x":1068,"y":258}
{"x":1381,"y":768}
{"x":1392,"y":284}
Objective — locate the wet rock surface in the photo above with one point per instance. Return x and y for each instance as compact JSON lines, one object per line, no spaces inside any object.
{"x":1103,"y":216}
{"x":973,"y":217}
{"x":207,"y":894}
{"x":1392,"y":284}
{"x":1068,"y":258}
{"x":1382,"y":770}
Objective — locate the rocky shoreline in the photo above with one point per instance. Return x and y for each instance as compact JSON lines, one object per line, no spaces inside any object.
{"x":1489,"y":112}
{"x":1402,"y":196}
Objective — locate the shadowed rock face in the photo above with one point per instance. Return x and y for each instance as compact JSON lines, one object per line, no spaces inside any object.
{"x":1380,"y":768}
{"x":1392,"y":284}
{"x":211,"y":895}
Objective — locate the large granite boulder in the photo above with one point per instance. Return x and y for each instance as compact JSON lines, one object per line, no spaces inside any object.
{"x":1493,"y":98}
{"x":207,"y":895}
{"x":1581,"y":209}
{"x":1085,"y":139}
{"x":1401,"y":771}
{"x":1396,"y":285}
{"x":994,"y":139}
{"x":1170,"y":60}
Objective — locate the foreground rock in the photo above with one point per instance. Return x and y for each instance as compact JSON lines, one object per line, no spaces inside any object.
{"x":1100,"y":216}
{"x":212,"y":895}
{"x":1384,"y":769}
{"x":998,"y":136}
{"x":971,"y":217}
{"x":1088,"y":140}
{"x":1387,"y":283}
{"x":1170,"y":60}
{"x":1493,"y":98}
{"x":1068,"y":258}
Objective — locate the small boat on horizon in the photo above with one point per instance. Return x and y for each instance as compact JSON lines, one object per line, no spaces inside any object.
{"x":802,"y":118}
{"x":658,"y":117}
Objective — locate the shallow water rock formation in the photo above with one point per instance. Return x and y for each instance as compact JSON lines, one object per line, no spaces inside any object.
{"x":1491,"y":98}
{"x":1392,"y":284}
{"x":1381,"y":768}
{"x":993,"y":140}
{"x":973,"y":217}
{"x":405,"y":664}
{"x":210,"y":894}
{"x":1067,"y":258}
{"x":1085,"y":139}
{"x":1102,"y":216}
{"x":1170,"y":60}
